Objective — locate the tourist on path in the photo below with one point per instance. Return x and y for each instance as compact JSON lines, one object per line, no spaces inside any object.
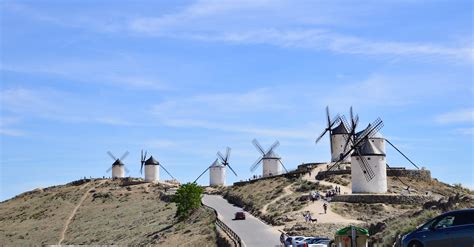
{"x":325,"y":206}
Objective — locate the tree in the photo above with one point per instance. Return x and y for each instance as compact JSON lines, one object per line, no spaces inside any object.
{"x":188,"y":199}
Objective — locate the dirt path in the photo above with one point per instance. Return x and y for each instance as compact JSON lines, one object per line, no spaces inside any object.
{"x":316,"y":208}
{"x":286,"y":191}
{"x":345,"y":190}
{"x":73,"y":213}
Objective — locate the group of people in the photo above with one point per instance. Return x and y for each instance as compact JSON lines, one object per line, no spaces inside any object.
{"x":314,"y":196}
{"x":331,"y":193}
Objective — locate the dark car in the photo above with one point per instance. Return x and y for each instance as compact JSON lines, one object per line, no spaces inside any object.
{"x":239,"y":216}
{"x":451,"y":229}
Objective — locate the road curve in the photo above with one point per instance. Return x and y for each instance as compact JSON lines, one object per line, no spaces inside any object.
{"x":252,"y":231}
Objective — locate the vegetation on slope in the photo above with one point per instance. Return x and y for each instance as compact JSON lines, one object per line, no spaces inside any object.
{"x":112,"y":214}
{"x":187,"y":199}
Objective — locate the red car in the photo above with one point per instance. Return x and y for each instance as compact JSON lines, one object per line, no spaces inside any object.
{"x":239,"y":216}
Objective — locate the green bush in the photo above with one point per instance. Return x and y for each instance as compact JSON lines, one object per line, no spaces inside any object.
{"x":188,"y":199}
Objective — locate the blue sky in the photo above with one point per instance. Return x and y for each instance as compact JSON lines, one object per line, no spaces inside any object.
{"x":184,"y":79}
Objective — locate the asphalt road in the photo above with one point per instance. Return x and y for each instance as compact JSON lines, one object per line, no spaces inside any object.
{"x":252,"y":231}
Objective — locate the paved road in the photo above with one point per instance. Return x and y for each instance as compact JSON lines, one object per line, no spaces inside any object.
{"x":252,"y":231}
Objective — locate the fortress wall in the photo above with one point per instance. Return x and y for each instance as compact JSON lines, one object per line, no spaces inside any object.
{"x":375,"y":198}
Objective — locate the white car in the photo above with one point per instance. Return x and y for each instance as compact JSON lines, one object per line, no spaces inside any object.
{"x":294,"y":240}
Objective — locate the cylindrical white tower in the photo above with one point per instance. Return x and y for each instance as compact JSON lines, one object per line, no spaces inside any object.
{"x":118,"y":169}
{"x":217,"y":174}
{"x":376,"y":160}
{"x":152,"y":170}
{"x":271,"y":164}
{"x":339,"y":136}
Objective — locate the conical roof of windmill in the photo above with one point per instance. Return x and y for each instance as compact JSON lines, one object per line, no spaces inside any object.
{"x":368,"y":148}
{"x":340,"y":129}
{"x":117,"y":163}
{"x":271,"y":155}
{"x":151,"y":161}
{"x":217,"y":164}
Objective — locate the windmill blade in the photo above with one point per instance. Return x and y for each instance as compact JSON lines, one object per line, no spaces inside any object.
{"x":321,"y":136}
{"x":279,"y":160}
{"x":141,"y":167}
{"x":227,"y":153}
{"x":111,"y":155}
{"x":375,"y":130}
{"x":221,"y":157}
{"x":124,"y":156}
{"x":108,"y":170}
{"x":369,"y":131}
{"x":368,"y":172}
{"x":328,"y":116}
{"x":141,"y":156}
{"x":255,"y":165}
{"x":344,"y":121}
{"x":126,"y":170}
{"x":258,"y":146}
{"x":402,"y":154}
{"x":202,"y":174}
{"x":349,"y":138}
{"x":335,"y":120}
{"x":275,"y":145}
{"x":232,"y":170}
{"x":166,"y":170}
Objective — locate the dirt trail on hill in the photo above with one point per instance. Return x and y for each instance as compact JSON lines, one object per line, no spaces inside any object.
{"x":316,"y":209}
{"x":73,"y":213}
{"x":286,"y":191}
{"x":345,"y":190}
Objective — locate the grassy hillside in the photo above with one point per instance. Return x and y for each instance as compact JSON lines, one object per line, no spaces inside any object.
{"x":110,"y":213}
{"x":279,"y":201}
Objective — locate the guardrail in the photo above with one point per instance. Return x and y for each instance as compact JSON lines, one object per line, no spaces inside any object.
{"x":226,"y":229}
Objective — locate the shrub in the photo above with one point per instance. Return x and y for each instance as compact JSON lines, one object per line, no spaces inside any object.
{"x":188,"y":199}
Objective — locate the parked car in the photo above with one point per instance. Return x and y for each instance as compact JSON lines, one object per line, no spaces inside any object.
{"x":293,"y":239}
{"x":314,"y":242}
{"x":240,"y":215}
{"x":451,"y":229}
{"x":322,"y":243}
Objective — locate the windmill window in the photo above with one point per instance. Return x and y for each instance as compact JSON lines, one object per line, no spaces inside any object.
{"x":373,"y":141}
{"x":368,"y":158}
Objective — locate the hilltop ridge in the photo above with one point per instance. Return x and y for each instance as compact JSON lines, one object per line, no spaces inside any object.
{"x":102,"y":211}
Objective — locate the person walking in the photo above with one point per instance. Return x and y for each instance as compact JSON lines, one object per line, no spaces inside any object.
{"x":325,"y":206}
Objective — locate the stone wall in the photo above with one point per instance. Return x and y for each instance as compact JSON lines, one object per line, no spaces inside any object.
{"x":424,"y":175}
{"x":375,"y":198}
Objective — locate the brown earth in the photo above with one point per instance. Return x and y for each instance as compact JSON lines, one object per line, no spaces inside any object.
{"x":111,"y":213}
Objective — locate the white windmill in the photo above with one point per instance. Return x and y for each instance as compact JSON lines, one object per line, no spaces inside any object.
{"x":217,"y":170}
{"x":368,"y":162}
{"x":270,"y":160}
{"x":118,"y":167}
{"x":152,"y":168}
{"x":338,"y":134}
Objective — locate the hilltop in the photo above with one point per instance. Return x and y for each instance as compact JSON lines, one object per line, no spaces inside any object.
{"x":282,"y":200}
{"x":102,"y":212}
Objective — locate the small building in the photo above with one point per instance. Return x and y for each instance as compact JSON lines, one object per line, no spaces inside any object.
{"x":152,"y":170}
{"x":376,"y":161}
{"x":339,"y":137}
{"x":118,"y":169}
{"x":217,"y":174}
{"x":271,"y":164}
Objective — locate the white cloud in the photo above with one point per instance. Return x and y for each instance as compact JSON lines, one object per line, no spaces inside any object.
{"x":307,"y":25}
{"x":257,"y":24}
{"x":457,"y":116}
